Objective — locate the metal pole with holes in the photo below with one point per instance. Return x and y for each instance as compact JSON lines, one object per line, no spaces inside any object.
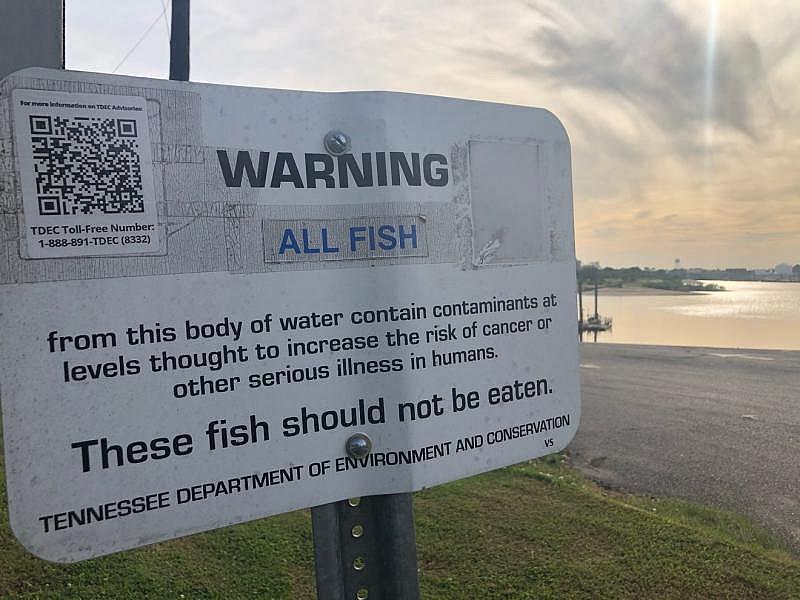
{"x":179,"y":41}
{"x":365,"y":548}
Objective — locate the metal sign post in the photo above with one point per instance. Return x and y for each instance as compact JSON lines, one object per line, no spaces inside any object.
{"x":365,"y":548}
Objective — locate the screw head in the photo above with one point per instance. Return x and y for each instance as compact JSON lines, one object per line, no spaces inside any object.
{"x":336,"y":142}
{"x":358,"y":445}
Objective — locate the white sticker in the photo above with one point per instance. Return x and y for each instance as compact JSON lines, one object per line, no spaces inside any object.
{"x":87,"y":174}
{"x":356,"y":238}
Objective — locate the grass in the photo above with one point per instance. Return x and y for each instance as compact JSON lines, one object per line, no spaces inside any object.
{"x":540,"y":530}
{"x":534,"y":530}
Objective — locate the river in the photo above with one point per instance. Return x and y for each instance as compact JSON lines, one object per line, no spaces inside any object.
{"x":759,"y":315}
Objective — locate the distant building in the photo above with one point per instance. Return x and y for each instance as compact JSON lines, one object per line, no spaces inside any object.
{"x":764,"y":273}
{"x":783,"y":270}
{"x":738,"y":274}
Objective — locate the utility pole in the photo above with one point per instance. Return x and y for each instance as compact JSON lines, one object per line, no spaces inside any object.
{"x":179,"y":41}
{"x":32,"y":34}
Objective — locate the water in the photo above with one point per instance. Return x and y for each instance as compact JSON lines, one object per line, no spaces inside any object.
{"x":761,"y":315}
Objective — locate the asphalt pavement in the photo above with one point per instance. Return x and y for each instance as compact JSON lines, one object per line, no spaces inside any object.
{"x":716,"y":426}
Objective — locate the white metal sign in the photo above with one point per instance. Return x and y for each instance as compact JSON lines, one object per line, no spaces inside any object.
{"x":258,"y":300}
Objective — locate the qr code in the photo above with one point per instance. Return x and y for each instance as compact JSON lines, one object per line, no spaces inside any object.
{"x":86,"y":165}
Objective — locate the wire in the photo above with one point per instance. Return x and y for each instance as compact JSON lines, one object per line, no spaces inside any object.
{"x":166,"y":21}
{"x":141,"y":39}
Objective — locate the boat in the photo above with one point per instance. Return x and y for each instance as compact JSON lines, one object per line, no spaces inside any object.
{"x":597,"y":323}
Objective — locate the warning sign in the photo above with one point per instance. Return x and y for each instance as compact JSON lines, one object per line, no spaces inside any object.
{"x":418,"y":288}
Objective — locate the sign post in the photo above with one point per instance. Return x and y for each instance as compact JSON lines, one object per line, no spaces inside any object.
{"x":365,"y":548}
{"x":221,"y":303}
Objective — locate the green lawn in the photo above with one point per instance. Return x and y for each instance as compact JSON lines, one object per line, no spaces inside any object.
{"x":535,"y":530}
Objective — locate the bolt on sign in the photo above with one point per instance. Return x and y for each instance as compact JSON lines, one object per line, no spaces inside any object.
{"x":206,"y":290}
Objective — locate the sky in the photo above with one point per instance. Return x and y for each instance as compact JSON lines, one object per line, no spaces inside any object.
{"x":684,"y":115}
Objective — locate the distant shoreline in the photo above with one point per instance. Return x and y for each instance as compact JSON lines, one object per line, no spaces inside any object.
{"x":637,"y":290}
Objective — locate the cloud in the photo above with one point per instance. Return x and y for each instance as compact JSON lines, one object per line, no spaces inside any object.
{"x":648,"y":56}
{"x":627,"y":77}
